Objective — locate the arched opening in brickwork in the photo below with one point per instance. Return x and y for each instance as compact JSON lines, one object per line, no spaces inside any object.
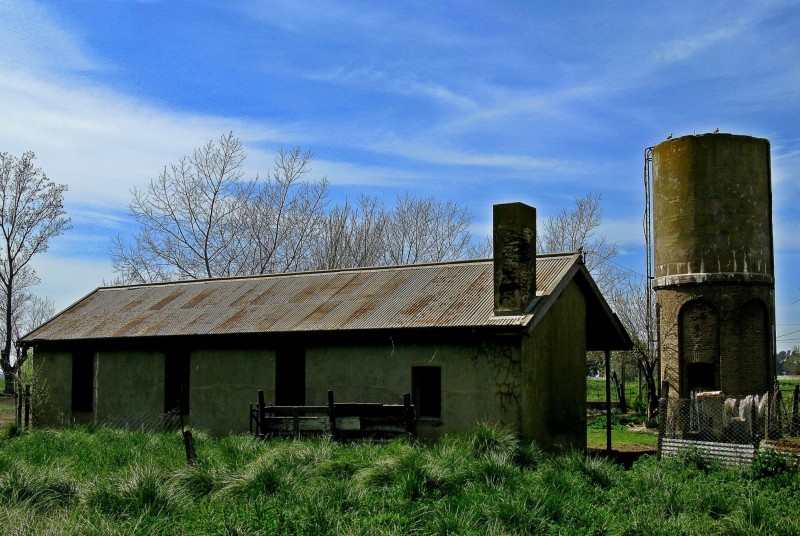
{"x":754,"y":371}
{"x":698,"y":336}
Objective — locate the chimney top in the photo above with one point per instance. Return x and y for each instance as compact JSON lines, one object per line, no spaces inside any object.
{"x":514,"y":257}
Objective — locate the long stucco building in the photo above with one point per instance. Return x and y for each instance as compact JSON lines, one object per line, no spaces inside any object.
{"x":500,"y":340}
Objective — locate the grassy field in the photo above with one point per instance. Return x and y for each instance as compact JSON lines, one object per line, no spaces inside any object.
{"x":622,"y":439}
{"x":596,"y":390}
{"x":787,"y":384}
{"x":103,"y":481}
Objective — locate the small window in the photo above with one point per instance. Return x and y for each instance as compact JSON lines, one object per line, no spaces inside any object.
{"x":176,"y":381}
{"x":290,"y":376}
{"x":426,"y":391}
{"x":82,"y":381}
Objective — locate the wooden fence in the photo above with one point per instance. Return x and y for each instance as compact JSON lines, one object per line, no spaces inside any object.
{"x":342,"y":421}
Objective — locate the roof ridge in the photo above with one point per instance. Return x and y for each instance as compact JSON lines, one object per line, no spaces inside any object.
{"x":293,"y":274}
{"x":324,"y":271}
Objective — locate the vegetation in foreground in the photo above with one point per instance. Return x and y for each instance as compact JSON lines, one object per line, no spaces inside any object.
{"x":104,"y":481}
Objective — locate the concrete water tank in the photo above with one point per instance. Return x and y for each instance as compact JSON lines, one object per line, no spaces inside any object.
{"x":713,"y":263}
{"x":712,"y":209}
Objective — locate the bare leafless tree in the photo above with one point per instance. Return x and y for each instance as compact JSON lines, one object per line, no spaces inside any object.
{"x":279,"y":221}
{"x":201,"y":218}
{"x":31,"y":213}
{"x":629,"y":299}
{"x":576,"y":229}
{"x":185,"y":217}
{"x":352,"y":235}
{"x":421,"y":229}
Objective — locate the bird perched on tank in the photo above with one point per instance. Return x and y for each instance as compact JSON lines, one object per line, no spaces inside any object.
{"x":669,"y":137}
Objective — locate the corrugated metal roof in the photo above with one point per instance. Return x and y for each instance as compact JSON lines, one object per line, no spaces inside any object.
{"x":453,"y":294}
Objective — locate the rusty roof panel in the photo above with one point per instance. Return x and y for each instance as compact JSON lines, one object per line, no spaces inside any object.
{"x":455,"y":294}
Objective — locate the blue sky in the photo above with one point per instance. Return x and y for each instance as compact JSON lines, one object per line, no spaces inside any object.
{"x":477,"y":102}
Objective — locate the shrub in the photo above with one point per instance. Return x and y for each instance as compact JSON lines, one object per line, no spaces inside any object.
{"x":142,"y":490}
{"x":492,"y":442}
{"x":259,"y":477}
{"x":198,"y":480}
{"x":771,"y":463}
{"x":12,"y":430}
{"x":44,"y":486}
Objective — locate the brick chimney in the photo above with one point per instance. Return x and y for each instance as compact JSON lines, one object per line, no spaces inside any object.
{"x":514,"y":257}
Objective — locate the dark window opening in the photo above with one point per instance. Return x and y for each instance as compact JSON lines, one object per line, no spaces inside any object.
{"x":700,"y":377}
{"x":426,"y":391}
{"x":290,"y":376}
{"x":176,"y":381}
{"x":82,"y":381}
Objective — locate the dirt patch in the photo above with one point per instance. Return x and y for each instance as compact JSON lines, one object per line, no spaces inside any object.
{"x":784,"y":445}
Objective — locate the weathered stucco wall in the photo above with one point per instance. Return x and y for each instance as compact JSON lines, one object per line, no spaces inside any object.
{"x":482,"y":379}
{"x":222,"y":385}
{"x":129,"y":386}
{"x":554,"y":374}
{"x":475,"y":382}
{"x":54,"y":374}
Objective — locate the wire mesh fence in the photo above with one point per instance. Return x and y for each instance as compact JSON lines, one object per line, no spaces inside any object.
{"x":145,"y":421}
{"x":730,"y":429}
{"x":142,"y":421}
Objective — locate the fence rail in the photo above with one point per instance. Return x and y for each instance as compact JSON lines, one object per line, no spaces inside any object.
{"x":343,"y":421}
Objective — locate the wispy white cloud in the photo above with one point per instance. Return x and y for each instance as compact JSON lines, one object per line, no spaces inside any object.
{"x":102,"y":143}
{"x":350,"y":174}
{"x":65,"y":278}
{"x":441,"y":154}
{"x":383,"y":81}
{"x":32,"y":38}
{"x":688,"y":46}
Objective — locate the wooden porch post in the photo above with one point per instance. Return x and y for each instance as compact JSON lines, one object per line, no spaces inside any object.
{"x":608,"y":400}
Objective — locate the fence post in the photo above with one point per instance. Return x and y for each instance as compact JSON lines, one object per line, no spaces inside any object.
{"x":27,"y":406}
{"x":332,"y":413}
{"x":188,"y":444}
{"x":18,"y":400}
{"x":262,"y":415}
{"x":795,"y":428}
{"x":608,"y":400}
{"x":754,"y":426}
{"x":775,"y":403}
{"x":408,"y":414}
{"x":662,"y":424}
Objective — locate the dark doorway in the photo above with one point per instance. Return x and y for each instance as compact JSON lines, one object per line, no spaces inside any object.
{"x":290,"y":376}
{"x":426,"y":391}
{"x":176,"y":381}
{"x":700,"y":377}
{"x":82,"y":381}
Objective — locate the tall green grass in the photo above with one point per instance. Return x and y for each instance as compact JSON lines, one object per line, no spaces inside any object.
{"x":103,"y":481}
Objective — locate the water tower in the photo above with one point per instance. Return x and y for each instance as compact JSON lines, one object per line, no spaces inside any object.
{"x":713,"y":264}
